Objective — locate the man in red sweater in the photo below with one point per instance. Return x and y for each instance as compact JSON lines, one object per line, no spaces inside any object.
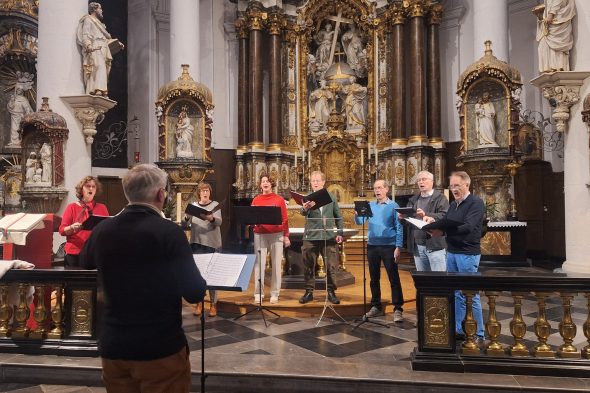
{"x":273,"y":237}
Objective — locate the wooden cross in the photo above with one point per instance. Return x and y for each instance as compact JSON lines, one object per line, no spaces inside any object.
{"x":338,"y":19}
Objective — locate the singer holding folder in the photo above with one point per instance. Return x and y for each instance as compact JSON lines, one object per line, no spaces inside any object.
{"x":76,"y":213}
{"x":320,"y":238}
{"x":206,"y":235}
{"x":270,"y":237}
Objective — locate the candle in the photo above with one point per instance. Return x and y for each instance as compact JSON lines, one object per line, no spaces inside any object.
{"x":302,"y":157}
{"x":295,"y":158}
{"x":362,"y":158}
{"x":178,"y":206}
{"x":376,"y":155}
{"x":309,"y":159}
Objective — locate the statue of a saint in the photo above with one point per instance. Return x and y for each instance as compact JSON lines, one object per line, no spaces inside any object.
{"x":45,"y":153}
{"x":320,"y":105}
{"x":322,"y":55}
{"x":555,"y":36}
{"x":31,"y":166}
{"x":94,"y":39}
{"x":184,"y":136}
{"x":18,"y":106}
{"x":353,"y":47}
{"x":356,"y":98}
{"x":485,"y":115}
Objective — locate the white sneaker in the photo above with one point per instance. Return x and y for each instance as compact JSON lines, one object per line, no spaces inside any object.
{"x":257,"y":297}
{"x":374,"y":312}
{"x":398,"y":316}
{"x":274,"y":299}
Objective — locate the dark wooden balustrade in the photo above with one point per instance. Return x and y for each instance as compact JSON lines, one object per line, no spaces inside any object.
{"x":439,"y":350}
{"x":63,"y":319}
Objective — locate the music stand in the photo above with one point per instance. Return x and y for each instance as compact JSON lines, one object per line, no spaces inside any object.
{"x":363,"y":210}
{"x":252,"y":215}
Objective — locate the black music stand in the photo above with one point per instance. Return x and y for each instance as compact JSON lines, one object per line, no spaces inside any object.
{"x":363,"y":210}
{"x":252,"y":215}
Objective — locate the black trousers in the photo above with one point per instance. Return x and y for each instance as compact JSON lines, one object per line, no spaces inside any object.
{"x":376,"y":254}
{"x":72,"y":260}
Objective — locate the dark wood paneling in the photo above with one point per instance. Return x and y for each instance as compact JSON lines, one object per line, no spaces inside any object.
{"x":112,"y":194}
{"x":224,"y":165}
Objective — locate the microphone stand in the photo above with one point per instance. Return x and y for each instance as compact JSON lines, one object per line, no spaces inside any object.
{"x":365,"y":318}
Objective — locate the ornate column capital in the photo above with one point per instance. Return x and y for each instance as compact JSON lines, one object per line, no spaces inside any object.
{"x":256,"y":16}
{"x":435,"y":14}
{"x":397,"y":15}
{"x":276,"y":21}
{"x":586,"y":110}
{"x":241,"y":24}
{"x":562,"y":90}
{"x":417,"y":9}
{"x":89,"y":110}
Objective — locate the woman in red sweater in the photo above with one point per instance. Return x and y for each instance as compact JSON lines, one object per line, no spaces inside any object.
{"x":273,"y":237}
{"x":76,"y":213}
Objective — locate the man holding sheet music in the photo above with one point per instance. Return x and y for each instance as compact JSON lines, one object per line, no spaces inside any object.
{"x":385,"y":241}
{"x":429,"y":252}
{"x":463,"y":242}
{"x":320,"y":237}
{"x":145,"y":269}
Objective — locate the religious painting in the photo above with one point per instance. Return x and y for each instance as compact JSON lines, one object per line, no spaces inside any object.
{"x":487,"y":115}
{"x":530,"y":142}
{"x":186,"y":131}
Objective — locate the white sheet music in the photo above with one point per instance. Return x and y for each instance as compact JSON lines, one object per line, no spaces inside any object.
{"x":417,"y":223}
{"x":221,"y":270}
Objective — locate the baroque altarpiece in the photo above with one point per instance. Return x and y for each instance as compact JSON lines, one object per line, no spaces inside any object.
{"x":353,"y":91}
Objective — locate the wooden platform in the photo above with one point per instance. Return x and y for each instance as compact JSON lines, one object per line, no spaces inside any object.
{"x":351,"y":297}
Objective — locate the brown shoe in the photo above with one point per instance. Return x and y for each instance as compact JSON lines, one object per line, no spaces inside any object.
{"x":198,"y":309}
{"x":213,"y":310}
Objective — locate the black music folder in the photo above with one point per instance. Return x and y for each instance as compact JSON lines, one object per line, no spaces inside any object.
{"x":93,"y":221}
{"x":196,"y":211}
{"x":363,"y":209}
{"x":320,"y":197}
{"x":408,"y":211}
{"x":442,"y":224}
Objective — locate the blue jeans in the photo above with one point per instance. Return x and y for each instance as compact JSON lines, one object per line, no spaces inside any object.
{"x":465,"y":264}
{"x":429,"y":260}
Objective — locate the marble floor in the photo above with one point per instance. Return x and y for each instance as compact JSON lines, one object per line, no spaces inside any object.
{"x":298,"y":354}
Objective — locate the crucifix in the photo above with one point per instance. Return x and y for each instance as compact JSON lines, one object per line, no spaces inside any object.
{"x":338,"y":19}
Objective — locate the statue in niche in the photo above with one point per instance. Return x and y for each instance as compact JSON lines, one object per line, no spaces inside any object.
{"x":320,"y":105}
{"x":356,"y":55}
{"x":31,"y":164}
{"x":485,"y":115}
{"x":184,"y":136}
{"x":18,"y":106}
{"x":555,"y":35}
{"x":97,"y":50}
{"x":322,"y":55}
{"x":45,"y":153}
{"x":354,"y":104}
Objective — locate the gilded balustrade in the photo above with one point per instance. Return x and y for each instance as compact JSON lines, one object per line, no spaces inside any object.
{"x":555,"y":349}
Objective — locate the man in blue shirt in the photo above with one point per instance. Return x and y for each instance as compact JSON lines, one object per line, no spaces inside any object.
{"x":385,"y":242}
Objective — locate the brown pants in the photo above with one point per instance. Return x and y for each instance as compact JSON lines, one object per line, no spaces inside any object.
{"x":171,"y":374}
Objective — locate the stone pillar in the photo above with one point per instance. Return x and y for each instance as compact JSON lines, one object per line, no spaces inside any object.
{"x":417,"y":76}
{"x":243,"y":84}
{"x":59,"y":73}
{"x":184,"y":37}
{"x":433,"y":71}
{"x":255,"y":24}
{"x":490,"y":22}
{"x":398,"y":91}
{"x":275,"y":25}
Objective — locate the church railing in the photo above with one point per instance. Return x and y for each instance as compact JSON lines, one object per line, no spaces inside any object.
{"x":532,"y":344}
{"x":51,"y":311}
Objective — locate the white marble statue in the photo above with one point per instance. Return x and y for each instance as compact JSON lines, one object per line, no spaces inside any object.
{"x":184,"y":136}
{"x":555,"y":36}
{"x":485,"y":116}
{"x":320,"y":105}
{"x":18,"y":106}
{"x":355,"y":103}
{"x":94,"y":40}
{"x":45,"y":153}
{"x":355,"y":54}
{"x":31,"y":166}
{"x":324,"y":39}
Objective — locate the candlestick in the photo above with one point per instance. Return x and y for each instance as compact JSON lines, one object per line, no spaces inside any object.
{"x":295,"y":159}
{"x":309,"y":159}
{"x":376,"y":156}
{"x":178,"y":206}
{"x":362,"y":158}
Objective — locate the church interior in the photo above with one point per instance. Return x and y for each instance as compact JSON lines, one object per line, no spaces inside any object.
{"x":228,"y":91}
